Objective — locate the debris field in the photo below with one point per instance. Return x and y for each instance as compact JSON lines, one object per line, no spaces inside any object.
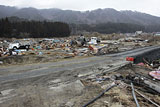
{"x":37,"y":50}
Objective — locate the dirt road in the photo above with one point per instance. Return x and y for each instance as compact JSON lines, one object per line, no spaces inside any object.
{"x":34,"y":70}
{"x":68,"y":83}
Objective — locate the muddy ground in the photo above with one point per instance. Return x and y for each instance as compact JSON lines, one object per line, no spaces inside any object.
{"x":74,"y":89}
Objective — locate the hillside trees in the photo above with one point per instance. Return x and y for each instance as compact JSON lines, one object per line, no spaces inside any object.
{"x":35,"y":29}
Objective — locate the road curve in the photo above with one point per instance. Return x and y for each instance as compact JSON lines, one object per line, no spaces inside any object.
{"x":36,"y":70}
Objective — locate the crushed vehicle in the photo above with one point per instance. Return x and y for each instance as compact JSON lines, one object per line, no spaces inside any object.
{"x":14,"y":46}
{"x":94,"y":41}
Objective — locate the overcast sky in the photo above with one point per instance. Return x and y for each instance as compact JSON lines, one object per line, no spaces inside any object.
{"x":147,"y":6}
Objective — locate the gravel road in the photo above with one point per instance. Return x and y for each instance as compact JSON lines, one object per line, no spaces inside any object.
{"x":34,"y":70}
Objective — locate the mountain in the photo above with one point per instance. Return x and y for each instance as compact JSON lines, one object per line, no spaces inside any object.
{"x":6,"y":11}
{"x":29,"y":13}
{"x":142,"y":18}
{"x":68,"y":16}
{"x":24,"y":13}
{"x":87,"y":17}
{"x":16,"y":19}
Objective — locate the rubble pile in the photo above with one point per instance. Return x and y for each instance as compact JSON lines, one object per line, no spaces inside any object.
{"x":130,"y":85}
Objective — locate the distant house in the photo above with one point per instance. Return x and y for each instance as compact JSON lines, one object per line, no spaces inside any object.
{"x":138,"y":32}
{"x":157,"y":34}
